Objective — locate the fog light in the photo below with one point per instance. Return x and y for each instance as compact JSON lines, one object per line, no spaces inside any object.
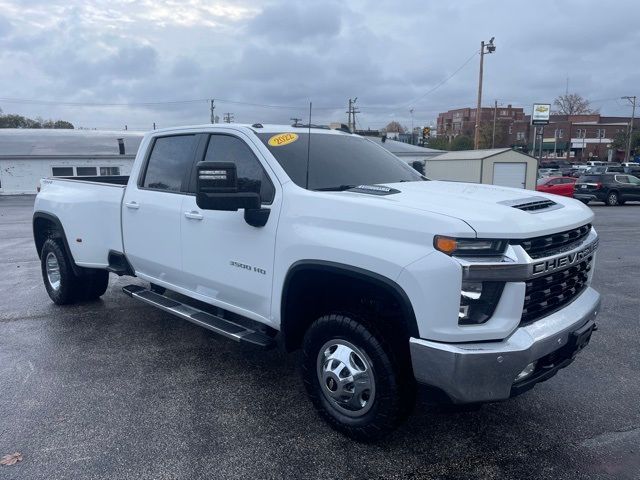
{"x":528,"y":370}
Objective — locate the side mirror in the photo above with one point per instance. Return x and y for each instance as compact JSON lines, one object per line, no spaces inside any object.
{"x":217,"y":189}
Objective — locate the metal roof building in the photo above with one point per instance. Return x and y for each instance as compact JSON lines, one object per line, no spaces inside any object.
{"x":405,"y":151}
{"x":497,"y":166}
{"x":27,"y":155}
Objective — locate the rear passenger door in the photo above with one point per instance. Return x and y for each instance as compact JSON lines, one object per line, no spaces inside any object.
{"x":226,"y":261}
{"x":151,"y":212}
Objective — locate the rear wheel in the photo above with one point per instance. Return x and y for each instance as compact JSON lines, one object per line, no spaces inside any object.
{"x":612,"y":199}
{"x":353,"y":378}
{"x":61,"y":283}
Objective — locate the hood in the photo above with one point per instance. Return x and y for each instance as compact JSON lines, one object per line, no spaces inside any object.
{"x":492,"y":211}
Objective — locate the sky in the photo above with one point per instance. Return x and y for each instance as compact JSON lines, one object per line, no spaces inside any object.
{"x":109,"y":63}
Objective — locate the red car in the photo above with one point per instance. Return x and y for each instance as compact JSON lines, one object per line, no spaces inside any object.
{"x":558,"y":185}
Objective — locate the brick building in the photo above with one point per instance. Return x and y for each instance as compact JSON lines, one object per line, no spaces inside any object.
{"x":580,"y":136}
{"x":462,"y":121}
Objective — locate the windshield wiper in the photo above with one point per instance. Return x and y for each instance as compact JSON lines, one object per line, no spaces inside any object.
{"x":339,"y":188}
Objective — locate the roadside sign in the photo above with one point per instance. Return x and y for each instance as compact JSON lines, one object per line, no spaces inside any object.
{"x":540,"y":114}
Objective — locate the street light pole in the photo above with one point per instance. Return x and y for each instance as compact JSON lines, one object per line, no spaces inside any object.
{"x":490,"y":48}
{"x":633,"y":114}
{"x":493,"y":135}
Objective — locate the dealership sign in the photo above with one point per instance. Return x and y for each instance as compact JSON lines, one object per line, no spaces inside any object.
{"x":540,"y":114}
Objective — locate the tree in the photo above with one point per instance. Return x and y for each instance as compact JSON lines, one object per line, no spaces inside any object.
{"x":573,"y":104}
{"x":439,"y":143}
{"x":394,"y":127}
{"x":486,"y":135}
{"x":620,"y":141}
{"x":462,"y":142}
{"x":18,"y":121}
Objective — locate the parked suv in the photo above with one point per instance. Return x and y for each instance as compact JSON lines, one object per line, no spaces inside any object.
{"x":610,"y":188}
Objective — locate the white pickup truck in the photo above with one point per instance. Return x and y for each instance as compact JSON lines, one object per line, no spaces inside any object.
{"x":318,"y":239}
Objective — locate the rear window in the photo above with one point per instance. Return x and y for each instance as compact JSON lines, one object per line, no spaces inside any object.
{"x":169,"y":160}
{"x":590,"y":179}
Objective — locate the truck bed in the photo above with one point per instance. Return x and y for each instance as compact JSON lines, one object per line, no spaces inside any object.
{"x":89,"y":208}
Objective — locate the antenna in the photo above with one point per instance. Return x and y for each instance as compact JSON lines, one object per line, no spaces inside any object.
{"x":308,"y":146}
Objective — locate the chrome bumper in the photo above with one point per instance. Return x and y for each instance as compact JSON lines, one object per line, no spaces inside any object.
{"x":486,"y":371}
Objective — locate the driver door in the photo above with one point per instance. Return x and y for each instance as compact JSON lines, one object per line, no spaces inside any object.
{"x":226,"y":261}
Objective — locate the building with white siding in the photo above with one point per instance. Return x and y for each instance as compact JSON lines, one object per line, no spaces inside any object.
{"x":27,"y":155}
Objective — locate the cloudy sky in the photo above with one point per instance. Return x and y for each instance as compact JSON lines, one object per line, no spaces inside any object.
{"x":104,"y":64}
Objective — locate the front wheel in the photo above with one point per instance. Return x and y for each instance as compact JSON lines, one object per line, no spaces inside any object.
{"x":353,"y":379}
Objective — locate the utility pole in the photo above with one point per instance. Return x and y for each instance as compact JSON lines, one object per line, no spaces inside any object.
{"x":490,"y":48}
{"x":411,"y":112}
{"x":295,"y":120}
{"x":154,"y":125}
{"x":213,"y":107}
{"x":495,"y":114}
{"x":228,"y":117}
{"x":352,"y":114}
{"x":630,"y":129}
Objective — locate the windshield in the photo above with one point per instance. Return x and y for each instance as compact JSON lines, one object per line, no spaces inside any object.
{"x":336,"y":162}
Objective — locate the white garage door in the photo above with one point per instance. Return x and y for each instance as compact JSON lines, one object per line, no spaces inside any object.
{"x":510,"y":174}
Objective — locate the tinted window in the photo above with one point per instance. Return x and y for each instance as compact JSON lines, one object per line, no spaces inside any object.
{"x":336,"y":160}
{"x":622,"y":178}
{"x":169,"y":159}
{"x":62,"y":171}
{"x":86,"y":171}
{"x":615,"y":169}
{"x":590,"y":179}
{"x":634,"y":180}
{"x":251,"y":175}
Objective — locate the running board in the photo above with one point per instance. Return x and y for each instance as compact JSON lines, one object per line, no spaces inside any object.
{"x":216,"y":324}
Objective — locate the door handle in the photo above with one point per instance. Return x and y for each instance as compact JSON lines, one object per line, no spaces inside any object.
{"x":193,"y":215}
{"x":132,"y":205}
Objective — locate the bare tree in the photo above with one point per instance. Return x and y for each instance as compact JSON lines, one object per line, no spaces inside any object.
{"x":395,"y":127}
{"x":573,"y":104}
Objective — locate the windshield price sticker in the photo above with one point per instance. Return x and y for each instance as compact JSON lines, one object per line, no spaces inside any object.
{"x":282,"y":139}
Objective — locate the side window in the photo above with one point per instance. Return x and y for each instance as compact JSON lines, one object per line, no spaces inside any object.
{"x":251,"y":175}
{"x":634,"y":180}
{"x":622,"y":178}
{"x":170,"y":158}
{"x":62,"y":171}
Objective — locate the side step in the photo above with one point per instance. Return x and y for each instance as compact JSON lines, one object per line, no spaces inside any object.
{"x":216,"y":324}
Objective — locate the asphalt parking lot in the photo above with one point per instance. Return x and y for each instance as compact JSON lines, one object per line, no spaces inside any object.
{"x":117,"y":389}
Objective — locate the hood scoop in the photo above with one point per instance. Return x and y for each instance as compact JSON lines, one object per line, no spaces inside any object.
{"x":532,"y":204}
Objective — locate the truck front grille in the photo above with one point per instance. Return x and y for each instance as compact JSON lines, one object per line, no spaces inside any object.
{"x":554,"y":243}
{"x":548,"y":294}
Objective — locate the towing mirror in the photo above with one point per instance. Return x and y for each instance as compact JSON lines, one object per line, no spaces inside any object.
{"x":217,"y":189}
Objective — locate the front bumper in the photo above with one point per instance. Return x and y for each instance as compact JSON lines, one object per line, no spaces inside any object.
{"x":486,"y":371}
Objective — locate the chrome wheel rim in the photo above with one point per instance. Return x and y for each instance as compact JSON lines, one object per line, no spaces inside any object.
{"x":53,"y":270}
{"x":346,"y":377}
{"x":613,"y":199}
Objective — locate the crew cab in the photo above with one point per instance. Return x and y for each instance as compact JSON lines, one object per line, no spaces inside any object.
{"x":320,"y":240}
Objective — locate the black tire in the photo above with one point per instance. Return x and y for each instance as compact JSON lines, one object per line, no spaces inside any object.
{"x":63,"y":287}
{"x":586,"y":202}
{"x":93,"y":284}
{"x":613,"y":199}
{"x":392,"y":395}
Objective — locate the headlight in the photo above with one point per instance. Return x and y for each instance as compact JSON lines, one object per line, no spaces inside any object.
{"x":478,"y":301}
{"x":469,"y":246}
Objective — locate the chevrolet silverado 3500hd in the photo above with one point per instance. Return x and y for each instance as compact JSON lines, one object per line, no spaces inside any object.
{"x":384,"y":278}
